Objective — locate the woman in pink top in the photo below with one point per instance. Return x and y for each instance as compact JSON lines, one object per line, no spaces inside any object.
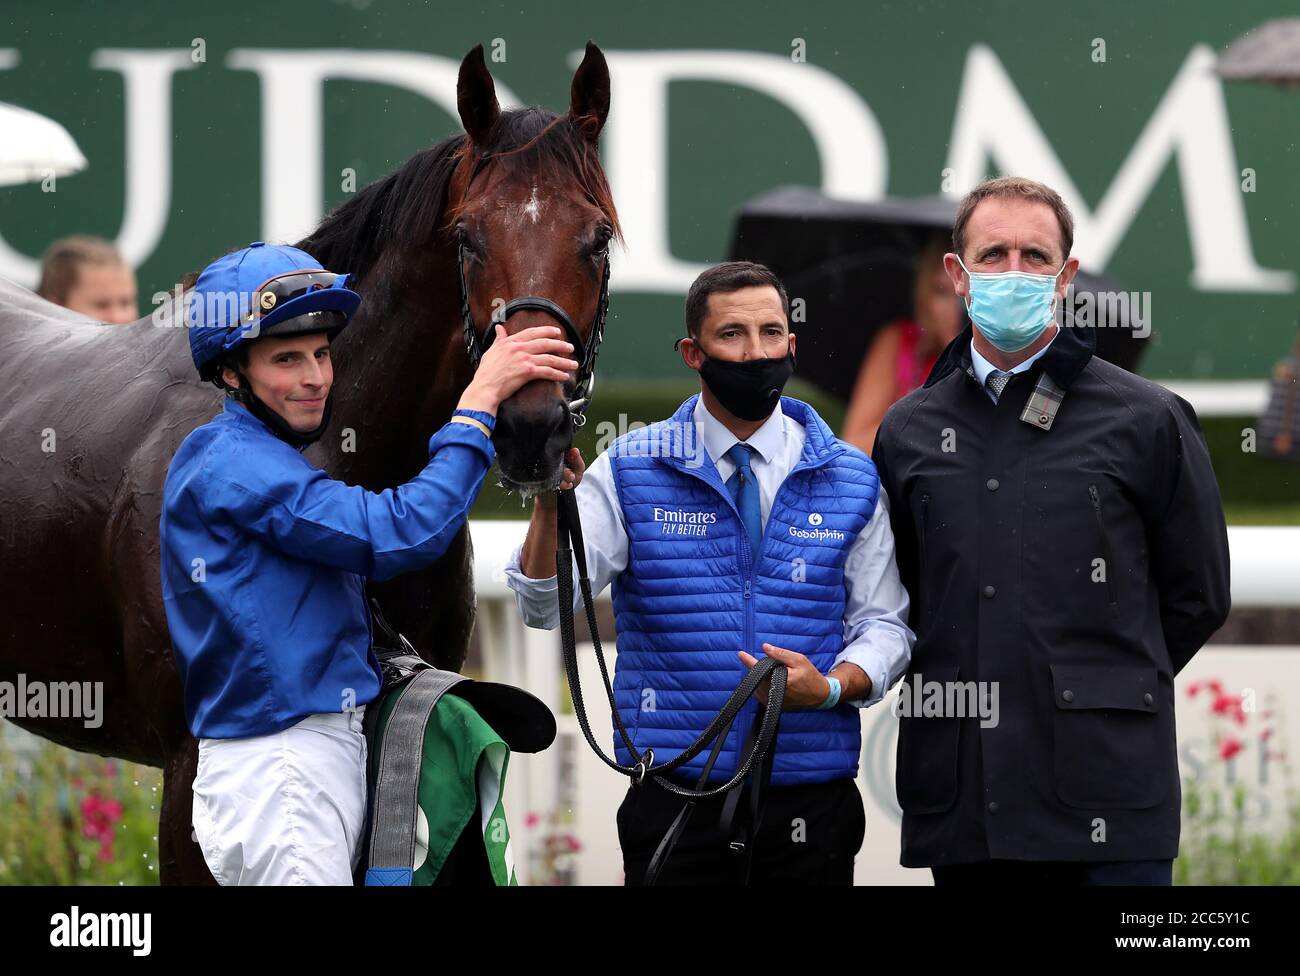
{"x":902,"y":353}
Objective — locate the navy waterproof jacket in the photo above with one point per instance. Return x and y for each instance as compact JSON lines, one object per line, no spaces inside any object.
{"x":264,"y":560}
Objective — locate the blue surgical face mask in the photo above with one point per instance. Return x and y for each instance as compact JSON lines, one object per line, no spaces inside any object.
{"x":1011,"y":308}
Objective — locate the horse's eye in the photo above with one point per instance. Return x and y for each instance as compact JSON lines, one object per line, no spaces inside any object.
{"x":464,"y":239}
{"x":600,"y":245}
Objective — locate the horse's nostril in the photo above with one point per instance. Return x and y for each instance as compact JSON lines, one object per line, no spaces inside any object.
{"x":531,"y":431}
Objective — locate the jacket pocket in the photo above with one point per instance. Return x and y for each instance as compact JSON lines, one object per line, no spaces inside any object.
{"x":926,"y":773}
{"x":1112,"y":745}
{"x":1107,"y":554}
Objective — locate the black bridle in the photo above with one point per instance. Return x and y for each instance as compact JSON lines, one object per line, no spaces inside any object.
{"x":476,"y":345}
{"x":756,"y":753}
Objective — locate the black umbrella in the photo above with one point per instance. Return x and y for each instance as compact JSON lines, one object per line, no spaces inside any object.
{"x":852,"y":264}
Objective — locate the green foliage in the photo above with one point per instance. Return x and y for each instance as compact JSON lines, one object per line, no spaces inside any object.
{"x":71,"y":818}
{"x":1216,"y":850}
{"x":1216,"y":846}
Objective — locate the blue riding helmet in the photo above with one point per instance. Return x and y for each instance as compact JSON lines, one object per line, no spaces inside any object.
{"x":263,"y":289}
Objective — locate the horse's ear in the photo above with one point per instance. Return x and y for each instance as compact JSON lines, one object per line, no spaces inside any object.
{"x":589,"y":97}
{"x":476,"y":97}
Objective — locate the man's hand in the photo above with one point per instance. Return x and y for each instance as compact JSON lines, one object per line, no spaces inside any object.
{"x":574,"y":468}
{"x":805,"y":686}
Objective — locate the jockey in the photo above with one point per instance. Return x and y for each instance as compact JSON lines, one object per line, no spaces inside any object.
{"x":264,"y":560}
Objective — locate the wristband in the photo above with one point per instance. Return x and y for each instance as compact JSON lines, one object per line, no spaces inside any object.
{"x":833,"y":698}
{"x":482,"y":416}
{"x":471,"y":422}
{"x":479,"y":419}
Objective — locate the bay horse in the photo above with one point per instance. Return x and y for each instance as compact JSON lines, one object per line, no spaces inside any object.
{"x":92,"y":414}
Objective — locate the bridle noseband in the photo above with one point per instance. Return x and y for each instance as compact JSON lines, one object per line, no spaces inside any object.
{"x":476,"y":345}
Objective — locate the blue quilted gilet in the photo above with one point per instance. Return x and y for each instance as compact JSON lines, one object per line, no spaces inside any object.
{"x":693,"y":594}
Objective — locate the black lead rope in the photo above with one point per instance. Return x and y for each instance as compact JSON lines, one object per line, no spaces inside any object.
{"x":758,"y":746}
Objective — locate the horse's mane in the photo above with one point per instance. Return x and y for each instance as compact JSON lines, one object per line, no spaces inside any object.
{"x":409,"y":208}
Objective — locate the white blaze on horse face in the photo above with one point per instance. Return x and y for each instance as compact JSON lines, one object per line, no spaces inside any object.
{"x":533,"y":208}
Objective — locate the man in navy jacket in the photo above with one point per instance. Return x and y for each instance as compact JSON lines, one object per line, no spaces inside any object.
{"x":1060,"y":532}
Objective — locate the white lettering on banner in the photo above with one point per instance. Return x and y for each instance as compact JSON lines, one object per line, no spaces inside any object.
{"x":848,"y":138}
{"x":292,"y":82}
{"x":1190,"y":124}
{"x":147,"y":83}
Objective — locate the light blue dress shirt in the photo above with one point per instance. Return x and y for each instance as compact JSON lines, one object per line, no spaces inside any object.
{"x":983,"y":367}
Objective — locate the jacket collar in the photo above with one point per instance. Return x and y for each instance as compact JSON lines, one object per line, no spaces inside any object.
{"x":239,"y":413}
{"x":718,"y":440}
{"x":677,"y":440}
{"x":1063,"y":361}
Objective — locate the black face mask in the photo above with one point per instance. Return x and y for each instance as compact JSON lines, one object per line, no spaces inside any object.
{"x":751,"y":389}
{"x":245,"y":396}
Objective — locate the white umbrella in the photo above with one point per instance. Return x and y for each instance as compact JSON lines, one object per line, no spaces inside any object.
{"x":1268,"y":53}
{"x":33,"y":147}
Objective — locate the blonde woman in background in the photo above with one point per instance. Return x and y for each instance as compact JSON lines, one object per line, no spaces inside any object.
{"x":88,"y":275}
{"x":903,"y":351}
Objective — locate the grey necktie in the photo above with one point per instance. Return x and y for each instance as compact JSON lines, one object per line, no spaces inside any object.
{"x":996,"y":382}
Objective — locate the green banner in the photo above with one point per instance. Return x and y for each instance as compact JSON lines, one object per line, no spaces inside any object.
{"x":203,"y":129}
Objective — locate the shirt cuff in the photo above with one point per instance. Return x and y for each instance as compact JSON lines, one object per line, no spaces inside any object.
{"x":537,"y":598}
{"x":874,"y":662}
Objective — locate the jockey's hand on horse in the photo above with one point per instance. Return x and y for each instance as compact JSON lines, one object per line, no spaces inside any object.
{"x":539,"y":353}
{"x":805,"y":686}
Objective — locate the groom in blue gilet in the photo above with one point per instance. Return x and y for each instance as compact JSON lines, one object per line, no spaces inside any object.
{"x":739,"y":527}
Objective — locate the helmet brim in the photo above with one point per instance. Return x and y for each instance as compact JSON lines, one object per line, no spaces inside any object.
{"x":342,"y":300}
{"x":317,"y":320}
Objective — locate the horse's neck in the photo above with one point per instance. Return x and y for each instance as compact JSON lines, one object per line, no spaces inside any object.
{"x":399,"y":378}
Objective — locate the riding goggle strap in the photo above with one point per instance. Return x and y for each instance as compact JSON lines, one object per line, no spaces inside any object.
{"x":271,"y":294}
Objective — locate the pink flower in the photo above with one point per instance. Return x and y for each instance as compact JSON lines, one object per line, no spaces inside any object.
{"x":532,"y":819}
{"x":1229,"y":748}
{"x":1229,"y":705}
{"x":1193,"y":689}
{"x":98,"y":816}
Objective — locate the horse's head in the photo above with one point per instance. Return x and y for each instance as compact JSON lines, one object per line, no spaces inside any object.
{"x":532,"y":214}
